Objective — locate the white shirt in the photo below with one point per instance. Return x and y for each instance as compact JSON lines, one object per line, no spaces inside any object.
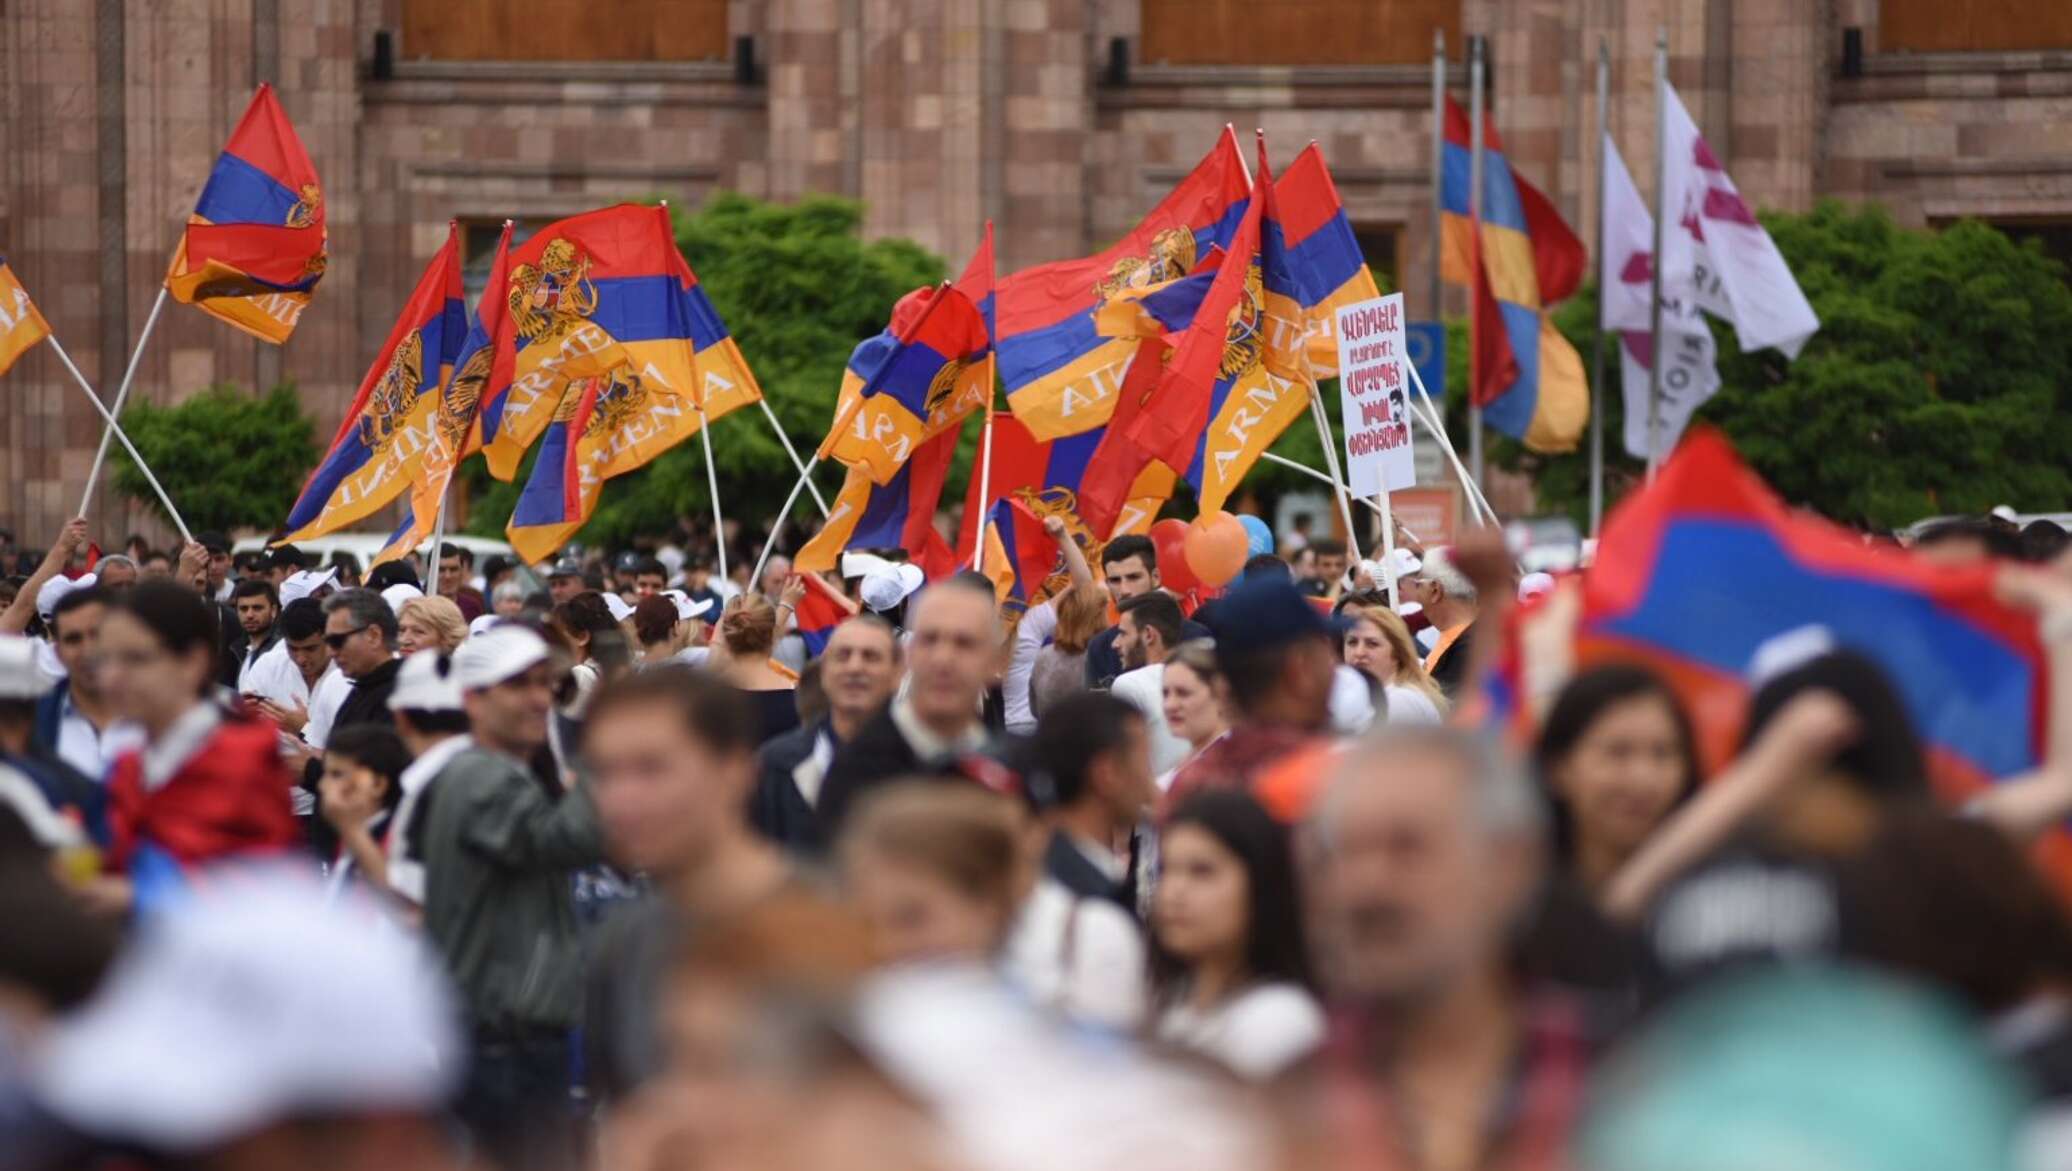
{"x":83,"y":746}
{"x":925,"y":743}
{"x":1256,"y":1034}
{"x":1082,"y":958}
{"x":1038,"y":626}
{"x":405,"y":870}
{"x":324,"y":701}
{"x":1144,"y":689}
{"x":274,"y":676}
{"x":1408,"y":705}
{"x":1352,"y":701}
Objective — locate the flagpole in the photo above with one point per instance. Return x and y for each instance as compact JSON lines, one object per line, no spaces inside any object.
{"x":116,"y":430}
{"x":1475,"y":244}
{"x":770,"y":542}
{"x":439,"y":534}
{"x":1604,"y":85}
{"x":1388,"y":541}
{"x":93,"y":475}
{"x":985,"y":476}
{"x":1477,"y":503}
{"x":1655,"y":281}
{"x":719,"y":528}
{"x":1320,"y":478}
{"x":1338,"y":484}
{"x":1438,"y":168}
{"x":791,"y":451}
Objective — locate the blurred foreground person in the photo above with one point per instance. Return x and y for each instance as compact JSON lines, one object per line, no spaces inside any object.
{"x":1420,"y":860}
{"x":254,"y":1027}
{"x":1275,"y":653}
{"x":1093,"y":764}
{"x":1230,"y":965}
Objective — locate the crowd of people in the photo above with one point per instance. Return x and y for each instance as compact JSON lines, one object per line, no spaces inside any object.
{"x":617,"y":863}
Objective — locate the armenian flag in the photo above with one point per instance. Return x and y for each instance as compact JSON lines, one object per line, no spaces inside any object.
{"x":1525,"y":376}
{"x":819,"y":612}
{"x":677,"y":369}
{"x":253,"y":250}
{"x":1307,"y":241}
{"x":898,"y":514}
{"x":929,"y":369}
{"x":1060,"y":374}
{"x":401,"y":412}
{"x":605,"y":295}
{"x":1020,"y":557}
{"x":1705,"y":566}
{"x":1044,"y":475}
{"x":21,"y":326}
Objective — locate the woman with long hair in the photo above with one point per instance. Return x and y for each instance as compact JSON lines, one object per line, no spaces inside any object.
{"x":1230,"y":972}
{"x":1378,"y":644}
{"x":1060,"y":668}
{"x":748,"y":632}
{"x":429,"y":623}
{"x":1195,"y":709}
{"x":206,"y":783}
{"x":1615,"y":755}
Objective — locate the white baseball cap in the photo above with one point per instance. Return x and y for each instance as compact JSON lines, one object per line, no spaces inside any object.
{"x":304,"y":583}
{"x":56,"y":588}
{"x":482,"y":623}
{"x":882,"y":589}
{"x":1532,"y":585}
{"x":861,"y":564}
{"x":686,"y":609}
{"x":617,"y":605}
{"x":1401,"y":563}
{"x":21,"y":676}
{"x":253,"y":1001}
{"x":425,"y":683}
{"x":400,"y":593}
{"x":496,"y":654}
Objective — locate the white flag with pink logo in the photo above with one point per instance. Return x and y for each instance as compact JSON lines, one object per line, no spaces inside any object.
{"x":1716,"y":254}
{"x":1690,"y":372}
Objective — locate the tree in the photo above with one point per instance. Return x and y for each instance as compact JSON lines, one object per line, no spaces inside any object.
{"x":1940,"y":380}
{"x":225,"y":457}
{"x":798,"y":288}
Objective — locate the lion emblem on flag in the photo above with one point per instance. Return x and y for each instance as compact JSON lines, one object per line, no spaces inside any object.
{"x":1245,"y":341}
{"x":1172,"y":255}
{"x":549,"y":300}
{"x":1062,"y":503}
{"x":457,"y":405}
{"x":393,"y":393}
{"x":303,"y":212}
{"x":621,"y":395}
{"x":942,"y":386}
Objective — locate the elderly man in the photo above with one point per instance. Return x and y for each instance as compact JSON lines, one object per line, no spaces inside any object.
{"x":1449,"y":599}
{"x":936,"y":728}
{"x":859,"y":671}
{"x":1420,"y":861}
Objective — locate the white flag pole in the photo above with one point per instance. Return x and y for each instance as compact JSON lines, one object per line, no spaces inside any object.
{"x":985,"y":477}
{"x":1661,"y":218}
{"x":1475,"y":74}
{"x":719,"y":526}
{"x":1321,"y":478}
{"x":129,"y":376}
{"x":116,"y":430}
{"x":791,"y":451}
{"x":1477,"y":503}
{"x":1604,"y":84}
{"x":776,"y":527}
{"x":1338,"y":485}
{"x":1388,"y":544}
{"x":1438,"y":171}
{"x":439,"y":535}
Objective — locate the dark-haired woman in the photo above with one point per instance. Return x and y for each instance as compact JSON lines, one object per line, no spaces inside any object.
{"x":1230,"y":971}
{"x":206,"y":783}
{"x":1616,"y":754}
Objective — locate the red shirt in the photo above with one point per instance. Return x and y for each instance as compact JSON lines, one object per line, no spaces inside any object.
{"x":229,"y":796}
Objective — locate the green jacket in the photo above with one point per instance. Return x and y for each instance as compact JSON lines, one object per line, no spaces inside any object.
{"x":498,"y":852}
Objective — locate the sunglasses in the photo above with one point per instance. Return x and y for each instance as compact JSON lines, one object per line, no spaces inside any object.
{"x":337,"y":641}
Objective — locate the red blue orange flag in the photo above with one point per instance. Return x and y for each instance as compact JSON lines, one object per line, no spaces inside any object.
{"x":1020,"y":557}
{"x":606,"y":295}
{"x":1060,"y":374}
{"x":923,"y":375}
{"x":1526,"y":377}
{"x":21,"y":326}
{"x":1045,"y":477}
{"x":609,"y":286}
{"x":1701,"y":569}
{"x":898,"y":514}
{"x":819,"y":612}
{"x":253,"y":250}
{"x":402,"y":414}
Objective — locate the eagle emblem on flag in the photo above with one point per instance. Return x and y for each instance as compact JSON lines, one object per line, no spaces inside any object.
{"x":553,"y":298}
{"x":1171,"y":256}
{"x":393,"y":393}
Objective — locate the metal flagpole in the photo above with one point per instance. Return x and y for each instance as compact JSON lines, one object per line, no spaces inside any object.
{"x":719,"y":527}
{"x":1475,"y":242}
{"x":93,"y":475}
{"x":985,"y":476}
{"x":791,"y":451}
{"x":1344,"y":493}
{"x":1438,"y":167}
{"x":770,"y":542}
{"x":1604,"y":86}
{"x":1477,"y":503}
{"x":439,"y":534}
{"x":1388,"y":544}
{"x":1321,"y":478}
{"x":1661,"y":218}
{"x":116,"y":430}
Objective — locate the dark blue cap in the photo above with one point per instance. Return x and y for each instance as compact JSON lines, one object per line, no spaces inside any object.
{"x":1261,"y":612}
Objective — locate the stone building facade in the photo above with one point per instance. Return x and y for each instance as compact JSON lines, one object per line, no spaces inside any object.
{"x":1061,"y":120}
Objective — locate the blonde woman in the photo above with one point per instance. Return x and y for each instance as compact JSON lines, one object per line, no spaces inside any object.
{"x":1378,"y":644}
{"x":429,"y":624}
{"x":1060,"y":668}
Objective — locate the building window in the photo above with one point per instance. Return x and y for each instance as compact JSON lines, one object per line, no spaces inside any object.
{"x":2054,"y":236}
{"x":1295,"y":32}
{"x":478,"y":250}
{"x":1971,"y":26}
{"x":1379,"y":243}
{"x":624,"y":30}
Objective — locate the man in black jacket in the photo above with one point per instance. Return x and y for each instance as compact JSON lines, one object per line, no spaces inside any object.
{"x":859,"y":671}
{"x":360,"y":629}
{"x":937,"y":728}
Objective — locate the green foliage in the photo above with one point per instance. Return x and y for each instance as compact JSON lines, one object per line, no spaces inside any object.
{"x":798,"y":288}
{"x":1940,"y":380}
{"x":226,"y":458}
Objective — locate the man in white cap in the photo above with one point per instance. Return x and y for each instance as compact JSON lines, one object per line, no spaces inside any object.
{"x":498,"y":849}
{"x":256,"y":1026}
{"x":886,"y":588}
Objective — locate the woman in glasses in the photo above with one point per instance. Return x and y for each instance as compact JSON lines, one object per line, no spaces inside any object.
{"x":201,"y":783}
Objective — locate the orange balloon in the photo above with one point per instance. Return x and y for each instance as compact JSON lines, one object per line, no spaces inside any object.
{"x":1217,"y":547}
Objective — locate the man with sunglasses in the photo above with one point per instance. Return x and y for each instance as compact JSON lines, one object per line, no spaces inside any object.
{"x":360,"y":629}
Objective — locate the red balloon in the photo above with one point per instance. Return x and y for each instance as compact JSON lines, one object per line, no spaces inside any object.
{"x":1169,"y":537}
{"x":1217,"y":547}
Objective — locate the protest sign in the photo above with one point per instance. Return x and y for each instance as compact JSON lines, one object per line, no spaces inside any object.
{"x":1373,"y":392}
